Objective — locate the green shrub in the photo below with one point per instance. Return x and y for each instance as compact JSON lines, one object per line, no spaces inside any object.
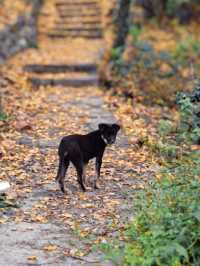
{"x":172,"y":5}
{"x":166,"y":228}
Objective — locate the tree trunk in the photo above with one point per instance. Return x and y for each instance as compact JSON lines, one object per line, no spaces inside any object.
{"x":122,"y":25}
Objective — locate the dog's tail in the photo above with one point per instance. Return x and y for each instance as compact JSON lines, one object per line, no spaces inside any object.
{"x":61,"y":161}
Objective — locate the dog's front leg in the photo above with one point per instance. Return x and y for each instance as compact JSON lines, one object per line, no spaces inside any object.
{"x":84,"y":173}
{"x":98,"y":169}
{"x":79,"y":168}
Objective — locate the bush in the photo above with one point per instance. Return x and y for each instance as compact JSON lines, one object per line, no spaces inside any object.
{"x":172,"y":5}
{"x":166,"y":228}
{"x":182,"y":9}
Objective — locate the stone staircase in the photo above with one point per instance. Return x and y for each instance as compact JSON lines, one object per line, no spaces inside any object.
{"x":77,"y":19}
{"x":90,"y":80}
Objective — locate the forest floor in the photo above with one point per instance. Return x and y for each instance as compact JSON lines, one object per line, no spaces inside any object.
{"x":49,"y":228}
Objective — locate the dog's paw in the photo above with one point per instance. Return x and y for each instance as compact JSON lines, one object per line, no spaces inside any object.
{"x":62,"y":187}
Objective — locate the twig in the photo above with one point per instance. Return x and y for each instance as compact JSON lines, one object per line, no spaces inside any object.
{"x":82,"y":259}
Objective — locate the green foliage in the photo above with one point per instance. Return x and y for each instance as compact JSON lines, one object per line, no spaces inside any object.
{"x":33,"y":45}
{"x":185,"y":48}
{"x":164,"y":127}
{"x":166,"y":228}
{"x":3,"y":116}
{"x":135,"y":32}
{"x":166,"y":150}
{"x":116,"y":53}
{"x":189,"y":109}
{"x":116,"y":58}
{"x":172,"y":5}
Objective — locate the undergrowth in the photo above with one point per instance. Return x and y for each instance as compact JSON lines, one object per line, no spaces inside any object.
{"x":166,"y":228}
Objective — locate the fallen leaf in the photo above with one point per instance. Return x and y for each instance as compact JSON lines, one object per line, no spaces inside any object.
{"x":50,"y":248}
{"x":32,"y":258}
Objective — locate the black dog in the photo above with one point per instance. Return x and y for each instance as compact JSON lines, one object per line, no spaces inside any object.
{"x":79,"y":149}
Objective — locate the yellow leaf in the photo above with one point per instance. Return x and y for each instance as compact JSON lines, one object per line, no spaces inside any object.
{"x":32,"y":258}
{"x":50,"y":248}
{"x":39,"y":219}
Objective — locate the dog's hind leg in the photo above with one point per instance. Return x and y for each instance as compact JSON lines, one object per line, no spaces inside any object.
{"x":80,"y":173}
{"x":63,"y":165}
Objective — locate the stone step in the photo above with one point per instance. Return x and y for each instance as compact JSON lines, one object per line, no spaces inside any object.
{"x":77,"y":3}
{"x":97,"y":30}
{"x":81,"y":82}
{"x":78,"y":15}
{"x":69,"y":7}
{"x":96,"y":35}
{"x":71,"y":23}
{"x":80,"y":9}
{"x":42,"y":69}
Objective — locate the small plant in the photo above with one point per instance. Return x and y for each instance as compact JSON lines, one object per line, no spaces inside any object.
{"x":116,"y":53}
{"x":116,"y":58}
{"x":3,"y":116}
{"x":33,"y":45}
{"x":135,"y":32}
{"x":164,"y":127}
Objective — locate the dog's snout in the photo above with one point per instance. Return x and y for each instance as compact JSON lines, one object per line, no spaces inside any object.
{"x":112,"y":140}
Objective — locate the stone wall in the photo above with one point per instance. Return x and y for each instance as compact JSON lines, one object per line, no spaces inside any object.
{"x":21,"y":34}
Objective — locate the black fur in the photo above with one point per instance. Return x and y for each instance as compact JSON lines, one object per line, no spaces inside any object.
{"x":79,"y":149}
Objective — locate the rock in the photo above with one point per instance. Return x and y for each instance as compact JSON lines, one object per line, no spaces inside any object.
{"x":22,"y":43}
{"x":45,"y":144}
{"x":144,"y":46}
{"x":25,"y":141}
{"x":20,"y":34}
{"x":4,"y":186}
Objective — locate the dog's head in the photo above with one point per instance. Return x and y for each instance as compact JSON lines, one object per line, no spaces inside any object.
{"x":109,"y":132}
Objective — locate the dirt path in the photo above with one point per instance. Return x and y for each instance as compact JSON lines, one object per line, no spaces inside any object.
{"x":50,"y":228}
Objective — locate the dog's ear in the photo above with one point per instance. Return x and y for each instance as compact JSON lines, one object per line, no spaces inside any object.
{"x":116,"y":127}
{"x":102,"y":127}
